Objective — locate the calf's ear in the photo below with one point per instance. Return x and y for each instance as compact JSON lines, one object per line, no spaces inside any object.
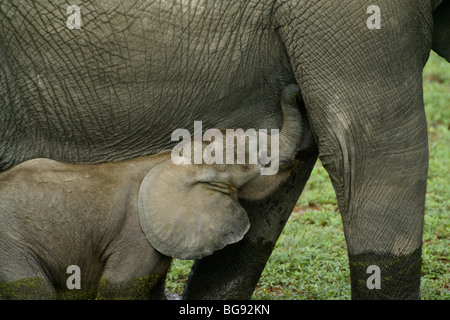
{"x":188,"y":211}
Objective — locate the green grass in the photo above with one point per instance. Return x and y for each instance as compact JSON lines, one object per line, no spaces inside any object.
{"x":310,"y":258}
{"x":436,"y":245}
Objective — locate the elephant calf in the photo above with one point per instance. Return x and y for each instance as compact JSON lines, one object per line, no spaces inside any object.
{"x":121,"y":222}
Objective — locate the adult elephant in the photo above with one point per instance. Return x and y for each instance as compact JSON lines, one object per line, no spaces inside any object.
{"x":111,"y":80}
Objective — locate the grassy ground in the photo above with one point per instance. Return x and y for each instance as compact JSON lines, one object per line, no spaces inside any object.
{"x":310,"y":258}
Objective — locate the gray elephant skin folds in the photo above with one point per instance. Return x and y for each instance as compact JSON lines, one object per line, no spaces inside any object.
{"x":101,"y":183}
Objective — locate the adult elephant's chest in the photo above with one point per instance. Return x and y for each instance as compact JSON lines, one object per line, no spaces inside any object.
{"x":136,"y":70}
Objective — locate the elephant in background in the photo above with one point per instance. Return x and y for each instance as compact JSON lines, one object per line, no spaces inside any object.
{"x":116,"y":86}
{"x":120,"y":222}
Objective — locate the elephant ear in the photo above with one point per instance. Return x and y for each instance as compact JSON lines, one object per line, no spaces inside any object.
{"x":187,"y":211}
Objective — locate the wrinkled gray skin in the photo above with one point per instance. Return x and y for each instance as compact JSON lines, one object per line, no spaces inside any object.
{"x":119,"y":222}
{"x":116,"y":88}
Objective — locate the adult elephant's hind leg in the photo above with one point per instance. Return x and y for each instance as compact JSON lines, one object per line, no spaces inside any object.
{"x":364,"y":100}
{"x":233,"y":272}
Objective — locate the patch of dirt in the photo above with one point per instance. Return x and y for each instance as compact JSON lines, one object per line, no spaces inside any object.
{"x":299,"y":209}
{"x":434,"y":78}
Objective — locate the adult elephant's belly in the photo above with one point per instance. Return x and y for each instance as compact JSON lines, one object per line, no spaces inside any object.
{"x":118,"y":86}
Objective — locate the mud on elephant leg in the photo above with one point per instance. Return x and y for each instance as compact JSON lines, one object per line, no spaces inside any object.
{"x":399,"y":276}
{"x":23,"y":278}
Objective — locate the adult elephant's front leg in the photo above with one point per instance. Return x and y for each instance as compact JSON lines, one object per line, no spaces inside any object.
{"x":363,"y":92}
{"x":233,"y":272}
